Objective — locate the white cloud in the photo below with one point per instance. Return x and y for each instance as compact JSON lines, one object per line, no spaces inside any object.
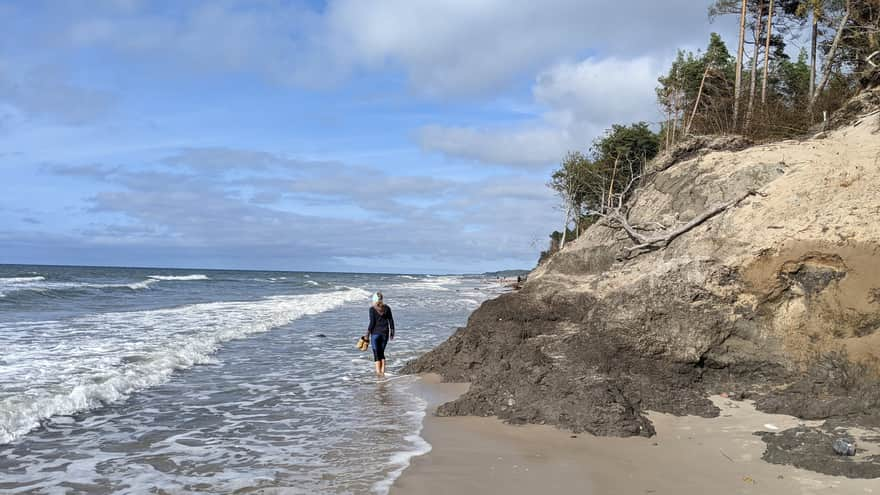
{"x":601,"y":90}
{"x":467,"y":46}
{"x":450,"y":48}
{"x":581,"y":100}
{"x":527,"y":146}
{"x":454,"y":223}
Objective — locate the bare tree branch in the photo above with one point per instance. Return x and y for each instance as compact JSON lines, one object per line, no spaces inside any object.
{"x":643,"y":242}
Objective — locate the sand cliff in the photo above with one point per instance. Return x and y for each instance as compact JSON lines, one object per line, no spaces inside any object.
{"x":776,"y":298}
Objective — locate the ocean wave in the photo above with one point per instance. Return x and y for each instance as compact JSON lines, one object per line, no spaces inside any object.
{"x":61,"y":289}
{"x":132,"y":351}
{"x":196,"y":276}
{"x":42,"y":286}
{"x":19,"y":280}
{"x":143,"y":284}
{"x":432,"y":283}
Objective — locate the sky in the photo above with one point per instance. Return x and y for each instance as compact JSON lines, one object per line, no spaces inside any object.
{"x":405,"y":136}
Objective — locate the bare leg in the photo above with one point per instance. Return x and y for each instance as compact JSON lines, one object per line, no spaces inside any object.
{"x":378,"y":368}
{"x":382,"y":367}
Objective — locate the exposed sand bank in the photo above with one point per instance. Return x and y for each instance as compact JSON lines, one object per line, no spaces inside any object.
{"x":689,"y":455}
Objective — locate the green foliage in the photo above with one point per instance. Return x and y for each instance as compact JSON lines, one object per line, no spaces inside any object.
{"x":679,"y":88}
{"x":697,"y":94}
{"x":793,"y":81}
{"x":635,"y":142}
{"x":587,"y":184}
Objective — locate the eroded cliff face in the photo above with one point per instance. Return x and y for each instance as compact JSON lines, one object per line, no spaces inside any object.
{"x":757,"y":300}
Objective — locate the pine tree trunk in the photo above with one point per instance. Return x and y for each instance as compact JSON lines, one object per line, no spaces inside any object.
{"x":674,"y":111}
{"x":767,"y":54}
{"x":813,"y":41}
{"x":613,"y":176}
{"x":737,"y":87}
{"x":668,"y":123}
{"x":829,"y":61}
{"x":687,"y":129}
{"x":564,"y":228}
{"x":753,"y":77}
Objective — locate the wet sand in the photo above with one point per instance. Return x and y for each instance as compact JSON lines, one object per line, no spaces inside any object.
{"x":689,"y":455}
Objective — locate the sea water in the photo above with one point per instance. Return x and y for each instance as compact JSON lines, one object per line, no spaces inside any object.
{"x":135,"y":380}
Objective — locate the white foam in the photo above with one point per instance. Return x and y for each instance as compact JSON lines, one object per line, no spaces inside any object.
{"x":430,"y":283}
{"x":85,"y":363}
{"x":312,"y":282}
{"x":401,"y":460}
{"x":19,"y":280}
{"x":195,"y":276}
{"x":143,"y":284}
{"x":40,"y":284}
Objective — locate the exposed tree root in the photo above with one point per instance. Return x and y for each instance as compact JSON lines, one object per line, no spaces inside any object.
{"x":647,"y":243}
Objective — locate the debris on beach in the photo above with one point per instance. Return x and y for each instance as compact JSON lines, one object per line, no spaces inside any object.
{"x":844,"y":446}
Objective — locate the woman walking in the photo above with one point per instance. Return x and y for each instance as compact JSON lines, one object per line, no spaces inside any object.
{"x":380,"y":331}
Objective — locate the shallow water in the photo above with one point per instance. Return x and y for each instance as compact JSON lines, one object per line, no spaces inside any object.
{"x":181,"y":381}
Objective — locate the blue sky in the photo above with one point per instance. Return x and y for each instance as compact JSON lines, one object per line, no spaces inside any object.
{"x":392,"y":135}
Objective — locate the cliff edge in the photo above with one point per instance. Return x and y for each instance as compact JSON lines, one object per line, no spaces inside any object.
{"x":775,"y":298}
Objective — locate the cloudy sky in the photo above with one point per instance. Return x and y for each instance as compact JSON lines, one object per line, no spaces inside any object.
{"x":339,"y":135}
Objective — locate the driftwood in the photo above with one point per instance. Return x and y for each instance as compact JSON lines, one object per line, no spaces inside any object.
{"x":644,"y":242}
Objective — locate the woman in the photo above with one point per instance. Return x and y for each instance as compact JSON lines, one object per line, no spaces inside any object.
{"x":380,"y":331}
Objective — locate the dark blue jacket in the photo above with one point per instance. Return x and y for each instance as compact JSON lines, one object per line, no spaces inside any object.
{"x":381,"y":323}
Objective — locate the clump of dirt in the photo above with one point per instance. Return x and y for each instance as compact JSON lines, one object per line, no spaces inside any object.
{"x":834,"y":385}
{"x":811,"y":447}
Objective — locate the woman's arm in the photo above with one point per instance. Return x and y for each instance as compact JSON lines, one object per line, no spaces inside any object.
{"x":390,"y":322}
{"x":372,"y":321}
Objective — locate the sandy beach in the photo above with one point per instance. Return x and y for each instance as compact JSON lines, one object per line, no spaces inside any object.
{"x":689,"y":455}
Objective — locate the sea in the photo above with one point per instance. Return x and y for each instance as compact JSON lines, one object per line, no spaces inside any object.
{"x":171,"y":381}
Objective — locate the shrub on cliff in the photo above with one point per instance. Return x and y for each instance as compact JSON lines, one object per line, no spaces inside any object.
{"x":587,"y":183}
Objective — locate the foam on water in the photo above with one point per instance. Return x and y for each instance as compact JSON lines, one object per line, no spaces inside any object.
{"x":416,"y":446}
{"x":102,"y":359}
{"x":143,"y":284}
{"x":196,"y":276}
{"x":293,"y":410}
{"x":18,"y":280}
{"x":40,"y":285}
{"x":12,"y":284}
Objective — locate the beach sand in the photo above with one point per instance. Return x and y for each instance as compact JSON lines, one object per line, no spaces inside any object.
{"x":689,"y":455}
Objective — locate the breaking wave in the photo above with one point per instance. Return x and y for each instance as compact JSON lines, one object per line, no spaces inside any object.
{"x":40,"y":285}
{"x":196,"y":276}
{"x":95,"y":360}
